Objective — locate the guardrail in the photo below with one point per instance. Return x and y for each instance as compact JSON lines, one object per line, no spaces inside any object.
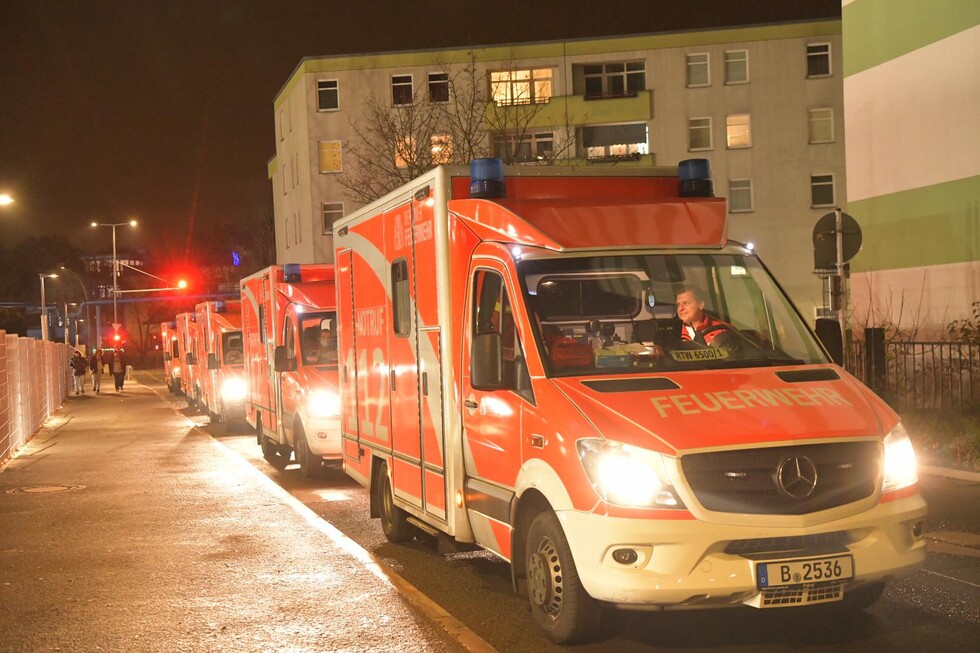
{"x":34,"y":381}
{"x":933,"y":375}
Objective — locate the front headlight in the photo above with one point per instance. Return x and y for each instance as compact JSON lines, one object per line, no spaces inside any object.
{"x":627,"y":476}
{"x":324,"y":403}
{"x":233,"y":389}
{"x":900,"y":466}
{"x":176,"y":371}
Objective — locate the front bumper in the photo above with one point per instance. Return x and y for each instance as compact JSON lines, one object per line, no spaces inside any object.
{"x":323,"y":436}
{"x":684,"y":564}
{"x":233,"y":410}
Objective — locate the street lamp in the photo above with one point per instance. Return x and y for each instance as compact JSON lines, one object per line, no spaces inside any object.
{"x":115,"y":267}
{"x":6,"y":200}
{"x":44,"y":307}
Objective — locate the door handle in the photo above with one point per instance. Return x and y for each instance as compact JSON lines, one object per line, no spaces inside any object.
{"x":469,"y":403}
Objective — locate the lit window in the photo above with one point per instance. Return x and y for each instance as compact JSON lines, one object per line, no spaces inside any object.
{"x":739,"y":131}
{"x":697,"y":70}
{"x":818,"y":60}
{"x":699,"y":134}
{"x":330,"y":157}
{"x":615,"y":141}
{"x":511,"y":87}
{"x":442,"y":149}
{"x":327,"y":95}
{"x":737,"y":67}
{"x":401,"y":90}
{"x":739,"y":195}
{"x":404,"y":152}
{"x":613,"y":80}
{"x":821,"y":190}
{"x":332,"y":211}
{"x":438,"y":87}
{"x":821,"y":125}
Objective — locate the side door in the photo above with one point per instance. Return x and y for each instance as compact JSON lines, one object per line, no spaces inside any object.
{"x":289,"y":386}
{"x":347,"y":355}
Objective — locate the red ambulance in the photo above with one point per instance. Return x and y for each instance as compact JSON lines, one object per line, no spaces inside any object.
{"x":221,"y":376}
{"x":171,"y":355}
{"x":515,"y":375}
{"x":289,"y":332}
{"x":187,"y":334}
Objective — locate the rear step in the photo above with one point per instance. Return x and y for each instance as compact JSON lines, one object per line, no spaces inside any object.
{"x":444,"y":543}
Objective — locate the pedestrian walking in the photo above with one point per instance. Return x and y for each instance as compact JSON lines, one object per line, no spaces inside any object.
{"x":97,"y":363}
{"x":78,"y":366}
{"x":117,"y":365}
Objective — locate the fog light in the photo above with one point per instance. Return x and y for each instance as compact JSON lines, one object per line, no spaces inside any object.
{"x":625,"y":556}
{"x":918,"y":528}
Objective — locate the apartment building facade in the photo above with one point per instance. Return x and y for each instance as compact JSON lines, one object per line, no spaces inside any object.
{"x":912,"y":97}
{"x":763,"y":104}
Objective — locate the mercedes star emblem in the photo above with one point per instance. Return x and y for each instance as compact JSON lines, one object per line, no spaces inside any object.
{"x":797,"y":477}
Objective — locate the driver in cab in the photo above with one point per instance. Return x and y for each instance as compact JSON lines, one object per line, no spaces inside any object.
{"x":697,"y":326}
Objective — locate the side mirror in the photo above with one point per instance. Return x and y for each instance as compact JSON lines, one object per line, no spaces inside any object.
{"x":486,"y":362}
{"x":190,"y":358}
{"x":167,"y":357}
{"x":830,"y":336}
{"x":213,"y":362}
{"x":283,"y":363}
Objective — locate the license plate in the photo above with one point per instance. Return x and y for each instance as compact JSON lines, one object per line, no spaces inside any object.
{"x":803,"y":572}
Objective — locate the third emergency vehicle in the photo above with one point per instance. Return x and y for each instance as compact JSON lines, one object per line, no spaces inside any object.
{"x":514,"y":375}
{"x":221,"y":376}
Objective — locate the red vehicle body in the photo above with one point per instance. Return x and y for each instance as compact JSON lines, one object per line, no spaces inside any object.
{"x":221,"y":376}
{"x":291,"y":380}
{"x":515,"y":376}
{"x":187,"y":337}
{"x":171,"y":355}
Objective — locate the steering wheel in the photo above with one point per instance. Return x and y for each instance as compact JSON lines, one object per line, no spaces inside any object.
{"x":724,"y":337}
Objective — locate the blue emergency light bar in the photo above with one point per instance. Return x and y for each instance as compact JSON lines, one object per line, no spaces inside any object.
{"x":291,"y":273}
{"x":220,"y":307}
{"x":695,"y":178}
{"x":487,"y":179}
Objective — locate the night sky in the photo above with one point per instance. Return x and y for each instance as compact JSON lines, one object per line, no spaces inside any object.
{"x":162,"y":110}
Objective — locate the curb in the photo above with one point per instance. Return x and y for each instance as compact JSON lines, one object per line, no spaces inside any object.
{"x":959,"y":474}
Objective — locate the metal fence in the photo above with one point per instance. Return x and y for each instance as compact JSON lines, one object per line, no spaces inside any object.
{"x":934,"y":375}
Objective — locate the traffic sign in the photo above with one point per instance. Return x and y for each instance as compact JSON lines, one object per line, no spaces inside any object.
{"x":825,"y":240}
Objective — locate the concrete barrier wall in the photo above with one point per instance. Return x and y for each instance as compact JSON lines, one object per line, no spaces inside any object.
{"x":34,"y":381}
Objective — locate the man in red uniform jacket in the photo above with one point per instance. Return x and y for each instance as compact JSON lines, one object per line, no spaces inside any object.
{"x":697,"y":325}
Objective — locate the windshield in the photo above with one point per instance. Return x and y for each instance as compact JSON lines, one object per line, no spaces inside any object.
{"x":231,"y":346}
{"x":623,"y":314}
{"x":318,"y":341}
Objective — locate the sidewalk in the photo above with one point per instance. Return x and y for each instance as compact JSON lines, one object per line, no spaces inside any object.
{"x":122,"y":528}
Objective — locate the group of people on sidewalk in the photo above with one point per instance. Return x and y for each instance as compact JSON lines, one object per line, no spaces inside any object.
{"x":97,"y":362}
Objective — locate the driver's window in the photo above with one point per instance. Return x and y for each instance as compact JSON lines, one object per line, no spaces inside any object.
{"x":289,"y":338}
{"x":493,"y":313}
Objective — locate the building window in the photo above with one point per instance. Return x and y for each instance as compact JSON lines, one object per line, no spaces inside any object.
{"x":740,"y":195}
{"x":511,"y":87}
{"x":737,"y":67}
{"x":739,"y":131}
{"x":821,"y":190}
{"x":612,"y":80}
{"x":297,"y":229}
{"x":818,"y":60}
{"x":697,"y":70}
{"x":294,"y":169}
{"x":401,"y":90}
{"x":821,"y":125}
{"x":699,"y":134}
{"x":439,"y":87}
{"x":442,"y":149}
{"x":330,"y":157}
{"x":287,"y":227}
{"x":327,"y":95}
{"x":282,"y":179}
{"x":615,"y":142}
{"x":529,"y":148}
{"x":282,"y":125}
{"x":332,"y":211}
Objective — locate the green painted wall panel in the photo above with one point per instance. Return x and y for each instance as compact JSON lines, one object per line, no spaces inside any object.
{"x":876,"y":31}
{"x":933,"y":225}
{"x":576,"y":110}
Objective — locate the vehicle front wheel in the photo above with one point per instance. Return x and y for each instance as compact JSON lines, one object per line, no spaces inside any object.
{"x":310,"y":465}
{"x":276,"y":455}
{"x":394,"y":520}
{"x":559,"y":603}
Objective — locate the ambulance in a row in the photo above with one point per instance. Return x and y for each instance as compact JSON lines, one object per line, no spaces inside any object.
{"x":514,"y":375}
{"x":171,"y":355}
{"x":220,"y":379}
{"x":187,"y":335}
{"x":289,"y":338}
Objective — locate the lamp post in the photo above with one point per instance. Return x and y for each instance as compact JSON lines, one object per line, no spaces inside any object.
{"x":77,"y":320}
{"x":5,"y":199}
{"x":67,"y":304}
{"x":115,"y":267}
{"x":44,"y":307}
{"x":88,"y":339}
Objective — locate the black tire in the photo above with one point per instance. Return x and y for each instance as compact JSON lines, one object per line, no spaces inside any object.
{"x":273,"y":452}
{"x":310,"y":466}
{"x":560,"y":605}
{"x":394,"y":520}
